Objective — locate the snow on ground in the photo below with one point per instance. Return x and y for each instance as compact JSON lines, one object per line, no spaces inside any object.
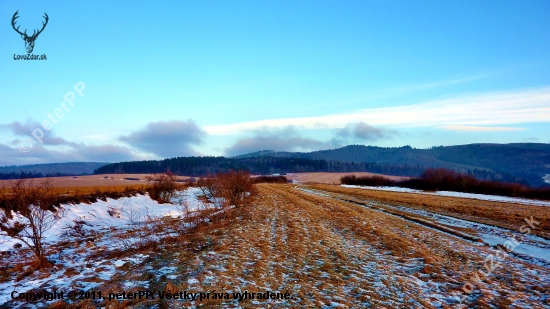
{"x":97,"y":219}
{"x":118,"y":213}
{"x":484,"y":197}
{"x":531,"y":248}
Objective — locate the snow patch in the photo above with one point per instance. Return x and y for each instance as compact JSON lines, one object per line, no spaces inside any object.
{"x":484,"y":197}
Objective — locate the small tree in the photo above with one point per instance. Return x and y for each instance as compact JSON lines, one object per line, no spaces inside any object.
{"x":34,"y":204}
{"x":162,"y":187}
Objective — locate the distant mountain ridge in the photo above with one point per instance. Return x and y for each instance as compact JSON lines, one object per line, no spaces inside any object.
{"x":52,"y":169}
{"x":529,"y":162}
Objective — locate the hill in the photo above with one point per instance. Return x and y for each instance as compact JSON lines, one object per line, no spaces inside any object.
{"x":201,"y":166}
{"x":51,"y":169}
{"x":524,"y":162}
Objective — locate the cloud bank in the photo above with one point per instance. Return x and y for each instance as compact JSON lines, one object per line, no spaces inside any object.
{"x":492,"y":109}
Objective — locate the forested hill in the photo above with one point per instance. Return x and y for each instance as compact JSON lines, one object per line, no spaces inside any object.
{"x":50,"y":169}
{"x":200,"y":166}
{"x":529,"y":162}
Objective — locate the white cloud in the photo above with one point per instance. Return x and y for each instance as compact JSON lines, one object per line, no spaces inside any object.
{"x":490,"y":109}
{"x":480,"y":129}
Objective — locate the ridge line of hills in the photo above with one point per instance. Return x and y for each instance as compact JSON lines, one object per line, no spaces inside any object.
{"x":526,"y":163}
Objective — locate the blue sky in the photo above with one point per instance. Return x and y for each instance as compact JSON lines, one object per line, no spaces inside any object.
{"x":177,"y":78}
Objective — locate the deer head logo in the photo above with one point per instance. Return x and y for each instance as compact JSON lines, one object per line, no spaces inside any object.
{"x":29,"y":40}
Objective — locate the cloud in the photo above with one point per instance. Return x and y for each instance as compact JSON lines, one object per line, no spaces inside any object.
{"x":489,"y":109}
{"x":364,"y":132}
{"x":19,"y":129}
{"x":481,"y":129}
{"x":167,"y":138}
{"x":40,"y":154}
{"x":159,"y":138}
{"x":285,"y":139}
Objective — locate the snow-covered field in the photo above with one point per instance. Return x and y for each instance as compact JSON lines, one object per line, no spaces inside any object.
{"x":484,"y":197}
{"x":103,"y":215}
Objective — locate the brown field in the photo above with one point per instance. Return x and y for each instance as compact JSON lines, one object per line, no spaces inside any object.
{"x":85,"y":185}
{"x":103,"y":180}
{"x":322,"y":251}
{"x":333,"y":178}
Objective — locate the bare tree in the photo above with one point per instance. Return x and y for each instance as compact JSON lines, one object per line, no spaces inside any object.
{"x":36,"y":215}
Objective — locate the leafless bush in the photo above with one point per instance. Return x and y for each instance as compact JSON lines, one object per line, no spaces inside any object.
{"x":35,"y":205}
{"x":162,"y":187}
{"x":234,"y":187}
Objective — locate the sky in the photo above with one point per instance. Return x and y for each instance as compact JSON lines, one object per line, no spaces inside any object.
{"x":158,"y":79}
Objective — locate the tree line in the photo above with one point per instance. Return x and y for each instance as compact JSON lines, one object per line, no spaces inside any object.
{"x":202,"y":166}
{"x":24,"y":175}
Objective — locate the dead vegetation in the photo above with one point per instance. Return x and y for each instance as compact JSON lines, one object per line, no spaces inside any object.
{"x":34,"y":204}
{"x":162,"y":187}
{"x":231,"y":188}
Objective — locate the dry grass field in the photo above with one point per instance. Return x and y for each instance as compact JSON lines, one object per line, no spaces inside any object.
{"x":323,"y":251}
{"x":85,"y":185}
{"x":104,"y":180}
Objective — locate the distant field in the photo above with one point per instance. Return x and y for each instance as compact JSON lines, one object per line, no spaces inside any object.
{"x":110,"y":180}
{"x":83,"y":185}
{"x":334,"y":178}
{"x":104,"y":180}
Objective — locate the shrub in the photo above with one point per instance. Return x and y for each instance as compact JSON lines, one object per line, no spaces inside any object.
{"x":35,"y":205}
{"x":270,"y":179}
{"x":234,"y":187}
{"x":162,"y":187}
{"x":377,"y":181}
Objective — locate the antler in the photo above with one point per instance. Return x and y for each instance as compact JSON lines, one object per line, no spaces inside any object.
{"x":43,"y":25}
{"x":13,"y":24}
